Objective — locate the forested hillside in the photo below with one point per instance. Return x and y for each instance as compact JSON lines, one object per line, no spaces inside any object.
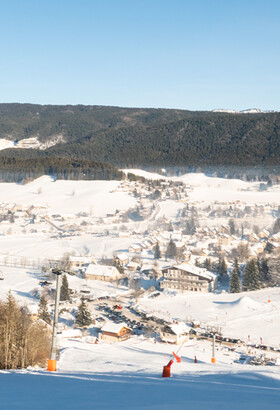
{"x":144,"y":137}
{"x":23,"y":170}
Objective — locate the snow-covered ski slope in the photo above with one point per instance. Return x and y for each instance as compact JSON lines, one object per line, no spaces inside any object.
{"x":128,"y":376}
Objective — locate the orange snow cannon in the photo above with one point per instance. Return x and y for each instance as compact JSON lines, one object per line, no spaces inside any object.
{"x":166,"y":369}
{"x":178,"y":358}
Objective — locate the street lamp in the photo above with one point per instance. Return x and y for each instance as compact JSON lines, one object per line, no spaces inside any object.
{"x":52,"y":361}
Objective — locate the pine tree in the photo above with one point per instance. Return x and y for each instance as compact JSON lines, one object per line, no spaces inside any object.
{"x":235,"y":286}
{"x":269,"y":247}
{"x":222,"y":270}
{"x":207,"y":264}
{"x":222,"y":267}
{"x":171,"y":249}
{"x":43,"y":311}
{"x":64,"y":290}
{"x":83,"y":316}
{"x":157,"y":253}
{"x":232,"y":226}
{"x":170,"y":227}
{"x":190,"y":228}
{"x":251,"y":280}
{"x":276,"y":226}
{"x":236,"y":266}
{"x":264,"y":271}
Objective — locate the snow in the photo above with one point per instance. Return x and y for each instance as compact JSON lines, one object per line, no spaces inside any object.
{"x":196,"y":271}
{"x":4,"y":144}
{"x":145,"y":174}
{"x":68,"y":197}
{"x":239,"y":315}
{"x":100,"y":270}
{"x":113,"y":327}
{"x":32,"y":143}
{"x":128,"y":374}
{"x":248,"y":111}
{"x":179,"y":328}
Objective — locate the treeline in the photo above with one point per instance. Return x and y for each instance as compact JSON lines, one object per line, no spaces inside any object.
{"x":23,"y":343}
{"x":146,"y":137}
{"x":213,"y":139}
{"x":18,"y":121}
{"x":14,"y":169}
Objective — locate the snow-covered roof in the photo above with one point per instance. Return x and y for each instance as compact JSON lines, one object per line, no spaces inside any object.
{"x":113,"y":327}
{"x":100,"y":270}
{"x":122,"y":256}
{"x":70,"y":333}
{"x":179,"y":328}
{"x":132,"y":265}
{"x":82,"y":259}
{"x":195,"y":270}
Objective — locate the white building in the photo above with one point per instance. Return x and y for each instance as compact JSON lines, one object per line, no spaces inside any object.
{"x":188,"y":277}
{"x":176,"y":333}
{"x":102,"y":272}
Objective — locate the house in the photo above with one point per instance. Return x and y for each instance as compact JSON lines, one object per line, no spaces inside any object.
{"x":133,"y":266}
{"x":114,"y":332}
{"x":224,"y":239}
{"x":224,"y":229}
{"x":136,"y":248}
{"x":121,"y":259}
{"x":175,"y":333}
{"x":102,"y":272}
{"x":78,"y":262}
{"x":188,"y":277}
{"x":264,"y":234}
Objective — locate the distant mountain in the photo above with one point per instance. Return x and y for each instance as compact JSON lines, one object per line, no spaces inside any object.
{"x":248,"y":111}
{"x":140,"y":137}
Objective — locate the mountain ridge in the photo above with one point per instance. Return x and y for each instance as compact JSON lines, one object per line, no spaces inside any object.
{"x":141,"y":136}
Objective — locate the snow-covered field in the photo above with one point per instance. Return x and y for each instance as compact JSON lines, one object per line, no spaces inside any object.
{"x":68,"y":197}
{"x":209,"y":189}
{"x":255,"y":314}
{"x":128,"y":375}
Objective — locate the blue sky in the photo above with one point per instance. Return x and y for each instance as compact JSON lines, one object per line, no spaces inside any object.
{"x":188,"y":54}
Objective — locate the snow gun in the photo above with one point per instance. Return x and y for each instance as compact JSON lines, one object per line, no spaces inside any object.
{"x":167,"y":368}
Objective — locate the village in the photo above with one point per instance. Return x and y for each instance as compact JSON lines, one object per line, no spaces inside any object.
{"x":162,"y":212}
{"x":166,"y":241}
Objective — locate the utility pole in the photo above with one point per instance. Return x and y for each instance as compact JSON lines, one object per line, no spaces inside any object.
{"x":52,"y":361}
{"x":213,"y":359}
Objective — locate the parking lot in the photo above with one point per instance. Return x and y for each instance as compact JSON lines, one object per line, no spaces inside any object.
{"x":120,"y":312}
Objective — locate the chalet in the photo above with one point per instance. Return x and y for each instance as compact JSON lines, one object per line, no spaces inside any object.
{"x":78,"y":262}
{"x":175,"y":333}
{"x":224,"y":239}
{"x":264,"y":234}
{"x":188,"y":277}
{"x":114,"y":332}
{"x":121,"y":259}
{"x":133,"y":266}
{"x":102,"y":272}
{"x":224,"y":229}
{"x":136,"y":248}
